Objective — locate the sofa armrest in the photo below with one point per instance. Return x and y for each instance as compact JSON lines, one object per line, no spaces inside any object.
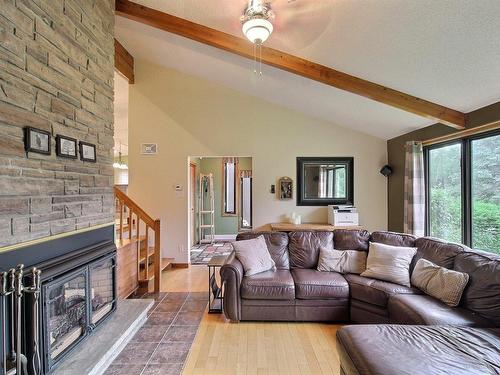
{"x":231,"y":274}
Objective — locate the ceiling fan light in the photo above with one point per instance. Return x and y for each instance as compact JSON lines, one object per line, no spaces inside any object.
{"x":257,"y":30}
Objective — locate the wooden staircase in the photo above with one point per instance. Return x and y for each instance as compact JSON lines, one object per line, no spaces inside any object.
{"x":139,"y":258}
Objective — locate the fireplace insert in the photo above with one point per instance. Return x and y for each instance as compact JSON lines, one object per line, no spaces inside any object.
{"x":76,"y":280}
{"x":74,"y":304}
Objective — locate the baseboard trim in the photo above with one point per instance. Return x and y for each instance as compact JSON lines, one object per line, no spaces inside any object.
{"x":180,"y":265}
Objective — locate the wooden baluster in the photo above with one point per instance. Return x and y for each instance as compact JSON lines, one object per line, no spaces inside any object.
{"x":147,"y":252}
{"x":138,"y":245}
{"x":130,"y":224}
{"x":120,"y":204}
{"x":157,"y":257}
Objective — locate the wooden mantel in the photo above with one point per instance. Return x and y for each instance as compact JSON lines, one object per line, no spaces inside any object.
{"x":290,"y":63}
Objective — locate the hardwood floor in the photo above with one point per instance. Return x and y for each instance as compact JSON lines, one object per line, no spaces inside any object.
{"x":252,"y":348}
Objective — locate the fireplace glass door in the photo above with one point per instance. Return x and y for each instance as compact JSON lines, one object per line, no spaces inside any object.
{"x":66,"y":312}
{"x":102,"y":292}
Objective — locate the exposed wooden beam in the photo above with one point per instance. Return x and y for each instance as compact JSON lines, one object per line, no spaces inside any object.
{"x":290,"y":63}
{"x":124,"y":62}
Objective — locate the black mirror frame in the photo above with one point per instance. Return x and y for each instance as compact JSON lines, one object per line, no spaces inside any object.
{"x":301,"y":201}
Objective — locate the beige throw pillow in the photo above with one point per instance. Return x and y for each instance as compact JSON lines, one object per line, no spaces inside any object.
{"x":254,"y":255}
{"x":342,"y":261}
{"x":389,"y":263}
{"x":439,"y":282}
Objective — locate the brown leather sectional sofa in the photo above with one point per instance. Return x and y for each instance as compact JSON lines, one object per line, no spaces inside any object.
{"x":296,"y":291}
{"x":393,"y":314}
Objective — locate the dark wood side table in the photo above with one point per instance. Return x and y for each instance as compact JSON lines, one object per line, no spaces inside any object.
{"x":214,"y":291}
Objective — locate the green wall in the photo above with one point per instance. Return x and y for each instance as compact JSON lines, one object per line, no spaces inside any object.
{"x":223,"y":224}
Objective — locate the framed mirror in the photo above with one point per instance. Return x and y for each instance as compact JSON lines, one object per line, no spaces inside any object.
{"x":325,"y":180}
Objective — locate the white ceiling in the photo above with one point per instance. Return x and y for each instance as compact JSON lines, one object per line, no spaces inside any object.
{"x":443,"y":51}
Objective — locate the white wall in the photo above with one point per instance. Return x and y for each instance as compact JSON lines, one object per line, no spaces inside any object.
{"x":189,"y":116}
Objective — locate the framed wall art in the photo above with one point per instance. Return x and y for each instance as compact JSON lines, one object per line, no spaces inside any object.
{"x":285,"y":188}
{"x":87,"y":152}
{"x":66,"y":147}
{"x":37,"y":140}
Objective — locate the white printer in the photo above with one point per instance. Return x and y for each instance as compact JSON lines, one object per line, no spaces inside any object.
{"x":343,"y":215}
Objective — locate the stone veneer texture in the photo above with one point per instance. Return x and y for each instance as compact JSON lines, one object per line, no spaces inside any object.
{"x":56,"y":74}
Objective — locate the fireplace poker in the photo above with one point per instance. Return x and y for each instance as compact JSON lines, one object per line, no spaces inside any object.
{"x":34,"y":289}
{"x":3,"y":294}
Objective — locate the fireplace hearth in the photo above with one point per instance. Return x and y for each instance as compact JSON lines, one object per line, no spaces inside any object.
{"x":77,"y":293}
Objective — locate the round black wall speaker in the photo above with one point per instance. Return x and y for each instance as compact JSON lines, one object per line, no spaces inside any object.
{"x":386,"y":170}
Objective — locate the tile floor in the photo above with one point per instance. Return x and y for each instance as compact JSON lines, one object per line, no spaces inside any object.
{"x":201,"y":254}
{"x":162,"y":344}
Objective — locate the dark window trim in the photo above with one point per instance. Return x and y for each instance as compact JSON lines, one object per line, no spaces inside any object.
{"x":251,"y":204}
{"x":226,"y":212}
{"x":466,"y":180}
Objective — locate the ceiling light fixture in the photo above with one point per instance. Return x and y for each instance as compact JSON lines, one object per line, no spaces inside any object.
{"x":257,"y":27}
{"x":120,"y":164}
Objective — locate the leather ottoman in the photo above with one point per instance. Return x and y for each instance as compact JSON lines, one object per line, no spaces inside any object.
{"x":418,"y":350}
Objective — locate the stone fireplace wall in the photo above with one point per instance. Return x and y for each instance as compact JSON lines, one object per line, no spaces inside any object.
{"x":56,"y":74}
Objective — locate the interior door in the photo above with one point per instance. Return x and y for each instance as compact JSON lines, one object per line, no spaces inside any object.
{"x":192,"y":202}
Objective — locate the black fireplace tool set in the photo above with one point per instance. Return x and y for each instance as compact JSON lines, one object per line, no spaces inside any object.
{"x":12,"y":292}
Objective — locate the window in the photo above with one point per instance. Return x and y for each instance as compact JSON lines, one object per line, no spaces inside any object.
{"x":229,"y":188}
{"x":246,"y":202}
{"x":445,"y":192}
{"x":463,"y":191}
{"x":485,"y":191}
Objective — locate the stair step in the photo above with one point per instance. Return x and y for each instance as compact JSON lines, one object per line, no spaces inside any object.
{"x":127,"y":241}
{"x":165,"y":263}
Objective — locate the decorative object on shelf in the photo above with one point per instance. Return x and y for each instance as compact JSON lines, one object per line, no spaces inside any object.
{"x":257,"y":27}
{"x":273,"y":189}
{"x":120,"y":164}
{"x":149,"y":148}
{"x":295,"y":218}
{"x":285,"y":188}
{"x":66,"y":147}
{"x":37,"y":140}
{"x":386,"y":170}
{"x":87,"y":152}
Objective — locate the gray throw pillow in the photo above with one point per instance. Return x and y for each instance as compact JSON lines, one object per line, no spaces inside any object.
{"x":254,"y":255}
{"x":439,"y":282}
{"x":389,"y":263}
{"x":342,"y":261}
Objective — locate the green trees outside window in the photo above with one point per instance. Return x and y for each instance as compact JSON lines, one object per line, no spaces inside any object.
{"x":463,"y":191}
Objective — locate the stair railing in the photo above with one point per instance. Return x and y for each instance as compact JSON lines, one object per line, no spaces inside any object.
{"x":128,"y":210}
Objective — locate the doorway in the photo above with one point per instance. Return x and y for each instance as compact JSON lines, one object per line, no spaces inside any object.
{"x":220,"y":204}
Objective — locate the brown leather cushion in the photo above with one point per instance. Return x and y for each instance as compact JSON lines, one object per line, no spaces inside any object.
{"x":277,"y":244}
{"x":303,"y":247}
{"x":351,"y":239}
{"x":313,"y":284}
{"x":482,"y":293}
{"x":437,"y":251}
{"x":418,"y":350}
{"x":276,"y":285}
{"x":393,"y":238}
{"x":424,"y":309}
{"x":373,"y":291}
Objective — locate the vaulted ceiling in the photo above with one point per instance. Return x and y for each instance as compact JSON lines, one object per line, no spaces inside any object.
{"x":446,"y":52}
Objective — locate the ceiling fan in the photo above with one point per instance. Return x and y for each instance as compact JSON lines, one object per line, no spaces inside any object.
{"x":293,"y":23}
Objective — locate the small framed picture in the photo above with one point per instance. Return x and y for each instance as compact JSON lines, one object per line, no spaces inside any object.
{"x":36,"y":140}
{"x":66,"y":147}
{"x":87,"y":152}
{"x":285,"y":188}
